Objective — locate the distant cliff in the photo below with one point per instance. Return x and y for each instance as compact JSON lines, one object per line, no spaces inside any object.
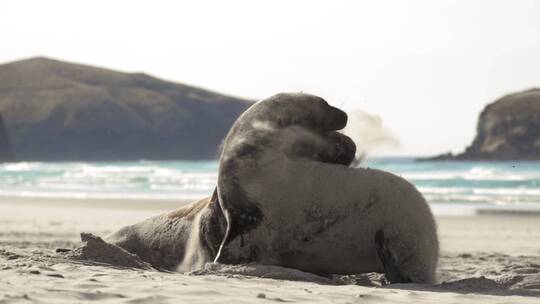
{"x":6,"y":152}
{"x":508,"y":129}
{"x":58,"y":111}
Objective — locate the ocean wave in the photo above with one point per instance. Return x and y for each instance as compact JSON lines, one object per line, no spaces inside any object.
{"x":496,"y":196}
{"x":476,"y":198}
{"x":487,"y":191}
{"x":474,"y":173}
{"x":37,"y":167}
{"x":104,"y":195}
{"x":423,"y":176}
{"x":126,"y":180}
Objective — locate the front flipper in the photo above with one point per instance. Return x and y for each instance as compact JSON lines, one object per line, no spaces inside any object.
{"x":391,"y":267}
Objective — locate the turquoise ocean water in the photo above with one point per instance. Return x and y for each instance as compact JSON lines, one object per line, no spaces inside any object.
{"x":450,"y":187}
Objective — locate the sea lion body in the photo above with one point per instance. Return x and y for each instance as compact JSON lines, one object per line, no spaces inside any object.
{"x":164,"y":240}
{"x":324,"y":218}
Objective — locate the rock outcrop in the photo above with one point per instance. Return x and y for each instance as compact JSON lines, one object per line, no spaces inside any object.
{"x":508,"y":129}
{"x":58,"y":111}
{"x":6,"y":152}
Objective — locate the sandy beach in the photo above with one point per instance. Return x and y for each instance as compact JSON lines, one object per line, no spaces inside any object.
{"x":484,"y":259}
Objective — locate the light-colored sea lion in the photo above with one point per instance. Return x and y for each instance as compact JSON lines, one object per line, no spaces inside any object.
{"x":164,"y":240}
{"x":296,"y":211}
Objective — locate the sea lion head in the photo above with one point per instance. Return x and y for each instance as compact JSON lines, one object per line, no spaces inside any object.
{"x":315,"y":123}
{"x":342,"y":152}
{"x":301,"y":109}
{"x":296,"y":124}
{"x":327,"y":147}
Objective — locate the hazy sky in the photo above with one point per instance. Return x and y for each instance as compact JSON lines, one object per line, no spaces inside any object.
{"x":426,"y":67}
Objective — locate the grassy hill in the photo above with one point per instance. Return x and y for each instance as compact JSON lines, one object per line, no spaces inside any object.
{"x":61,"y":111}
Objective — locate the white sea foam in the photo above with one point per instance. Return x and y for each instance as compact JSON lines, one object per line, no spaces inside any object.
{"x":22,"y":166}
{"x":486,"y":191}
{"x":100,"y":195}
{"x":473,"y":174}
{"x":128,"y":180}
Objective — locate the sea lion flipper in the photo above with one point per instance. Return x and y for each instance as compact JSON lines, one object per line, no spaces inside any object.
{"x":391,"y":267}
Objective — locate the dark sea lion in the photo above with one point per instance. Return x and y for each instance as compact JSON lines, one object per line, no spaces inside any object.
{"x":296,"y":125}
{"x":164,"y":240}
{"x":287,"y":207}
{"x":331,"y":219}
{"x":191,"y":235}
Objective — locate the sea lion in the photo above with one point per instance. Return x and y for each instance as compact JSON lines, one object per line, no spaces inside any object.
{"x":191,"y":235}
{"x":296,"y":208}
{"x":164,"y":241}
{"x":295,"y":125}
{"x":297,"y":211}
